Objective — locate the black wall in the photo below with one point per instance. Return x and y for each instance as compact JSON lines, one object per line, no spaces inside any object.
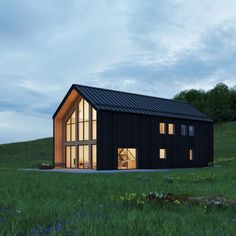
{"x":142,"y":132}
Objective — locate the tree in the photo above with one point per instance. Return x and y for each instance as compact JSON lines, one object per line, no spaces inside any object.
{"x":233,"y":101}
{"x":218,"y":102}
{"x":196,"y":98}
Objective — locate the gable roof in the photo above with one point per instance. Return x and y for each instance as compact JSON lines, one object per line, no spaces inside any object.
{"x":111,"y":100}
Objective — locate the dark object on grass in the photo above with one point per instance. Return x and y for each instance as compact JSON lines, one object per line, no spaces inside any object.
{"x":45,"y":166}
{"x":210,"y":164}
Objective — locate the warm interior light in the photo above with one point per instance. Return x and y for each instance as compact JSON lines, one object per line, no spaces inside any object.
{"x":162,"y":153}
{"x":126,"y":158}
{"x":94,"y":156}
{"x":190,"y":154}
{"x":81,"y":126}
{"x":162,"y":128}
{"x":171,"y":129}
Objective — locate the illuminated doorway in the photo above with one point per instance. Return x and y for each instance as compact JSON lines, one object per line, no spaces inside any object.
{"x":127,"y":158}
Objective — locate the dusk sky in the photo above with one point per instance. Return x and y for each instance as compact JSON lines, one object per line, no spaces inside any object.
{"x":150,"y":47}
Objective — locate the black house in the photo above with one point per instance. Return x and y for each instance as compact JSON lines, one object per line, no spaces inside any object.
{"x":103,"y":129}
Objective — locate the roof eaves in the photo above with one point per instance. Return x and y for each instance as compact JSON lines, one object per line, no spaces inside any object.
{"x":63,"y":101}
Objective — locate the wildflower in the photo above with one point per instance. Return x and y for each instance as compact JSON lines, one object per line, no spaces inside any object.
{"x":140,"y":202}
{"x":176,"y":201}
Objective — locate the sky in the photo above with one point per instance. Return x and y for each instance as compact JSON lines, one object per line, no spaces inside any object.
{"x":155,"y":47}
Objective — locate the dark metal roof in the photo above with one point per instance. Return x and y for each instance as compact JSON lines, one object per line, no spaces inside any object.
{"x":110,"y":100}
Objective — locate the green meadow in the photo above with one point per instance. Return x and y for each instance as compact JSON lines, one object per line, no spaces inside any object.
{"x":43,"y":203}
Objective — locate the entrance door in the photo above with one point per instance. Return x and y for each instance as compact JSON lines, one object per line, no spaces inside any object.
{"x":127,"y":158}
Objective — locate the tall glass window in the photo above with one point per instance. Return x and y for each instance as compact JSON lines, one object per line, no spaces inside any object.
{"x":94,"y":156}
{"x":80,"y":137}
{"x":94,"y":124}
{"x":83,"y":156}
{"x":81,"y":120}
{"x":70,"y":157}
{"x":70,"y":128}
{"x":86,"y":120}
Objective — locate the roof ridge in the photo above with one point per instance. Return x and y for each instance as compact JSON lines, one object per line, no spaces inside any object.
{"x":136,"y":108}
{"x":150,"y":96}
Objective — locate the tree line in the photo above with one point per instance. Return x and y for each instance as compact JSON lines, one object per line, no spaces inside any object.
{"x":218,"y":103}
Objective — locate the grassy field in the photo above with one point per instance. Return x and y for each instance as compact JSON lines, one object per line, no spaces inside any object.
{"x":40,"y":203}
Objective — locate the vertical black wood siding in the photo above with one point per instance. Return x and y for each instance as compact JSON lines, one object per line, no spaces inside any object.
{"x":142,"y":132}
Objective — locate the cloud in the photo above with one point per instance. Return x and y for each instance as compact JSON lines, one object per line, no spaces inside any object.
{"x":15,"y":125}
{"x":129,"y":45}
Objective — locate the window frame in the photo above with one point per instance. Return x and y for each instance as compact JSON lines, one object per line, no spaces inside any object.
{"x":192,"y":133}
{"x":185,"y":133}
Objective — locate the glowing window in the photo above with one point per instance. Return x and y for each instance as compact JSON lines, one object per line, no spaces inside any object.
{"x":127,"y":158}
{"x":162,"y":153}
{"x":171,"y":129}
{"x":68,"y":132}
{"x":86,"y":157}
{"x":191,"y":157}
{"x":94,"y":156}
{"x":86,"y":111}
{"x":81,"y":131}
{"x":162,"y":128}
{"x":70,"y":128}
{"x":83,"y":120}
{"x":81,"y":157}
{"x":81,"y":110}
{"x":86,"y":130}
{"x":70,"y":157}
{"x":81,"y":126}
{"x":94,"y":124}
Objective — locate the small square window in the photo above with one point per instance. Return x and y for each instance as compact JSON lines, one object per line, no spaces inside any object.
{"x":183,"y":130}
{"x":171,"y":129}
{"x":162,"y":154}
{"x":162,"y":128}
{"x":191,"y":130}
{"x":191,"y":156}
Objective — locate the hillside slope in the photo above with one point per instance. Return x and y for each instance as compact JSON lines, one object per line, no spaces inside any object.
{"x":225,"y":143}
{"x":28,"y":154}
